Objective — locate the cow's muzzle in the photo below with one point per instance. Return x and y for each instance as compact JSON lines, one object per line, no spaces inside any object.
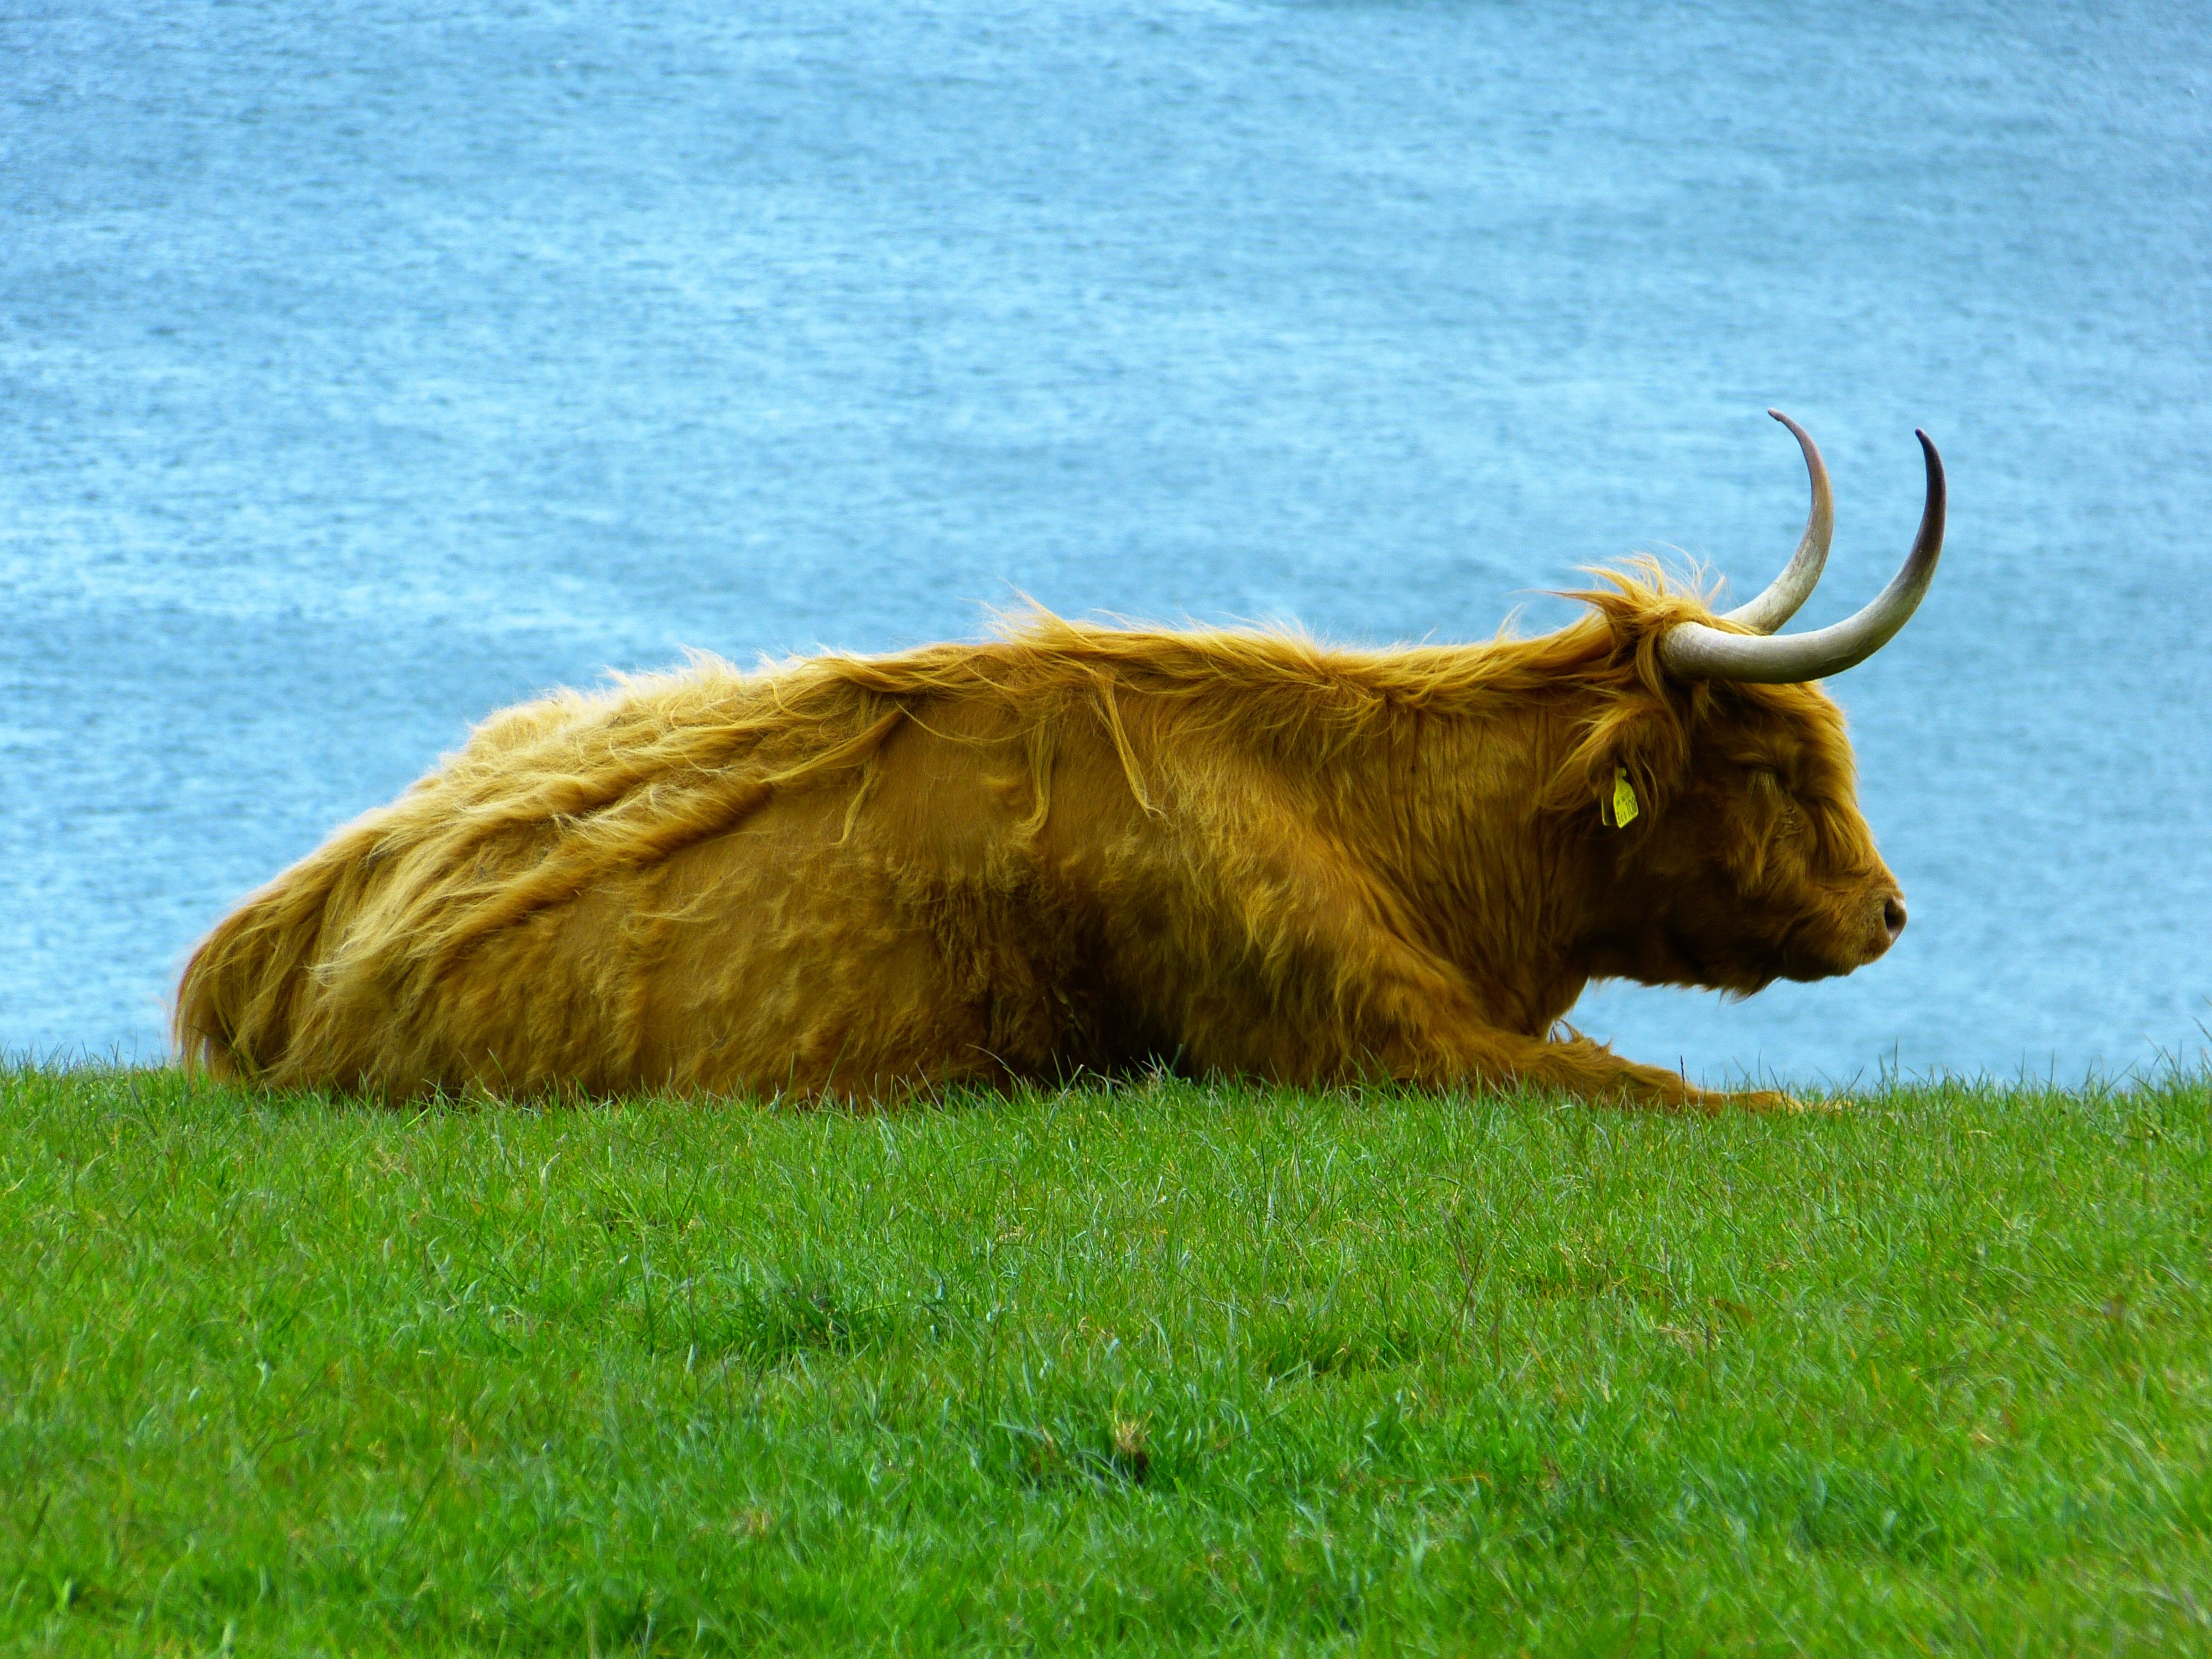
{"x":1883,"y":921}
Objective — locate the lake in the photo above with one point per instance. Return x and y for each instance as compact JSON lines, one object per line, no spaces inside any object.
{"x":364,"y":367}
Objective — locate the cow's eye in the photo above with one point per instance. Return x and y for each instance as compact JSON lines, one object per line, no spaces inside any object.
{"x":1771,"y":787}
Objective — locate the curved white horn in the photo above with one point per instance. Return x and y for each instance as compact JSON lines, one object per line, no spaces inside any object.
{"x":1699,"y":652}
{"x":1795,"y":585}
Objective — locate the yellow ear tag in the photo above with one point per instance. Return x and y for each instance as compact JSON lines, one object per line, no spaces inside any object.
{"x":1624,"y":808}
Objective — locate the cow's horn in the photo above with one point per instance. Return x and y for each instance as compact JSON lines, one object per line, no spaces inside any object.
{"x":1802,"y":574}
{"x":1699,"y":652}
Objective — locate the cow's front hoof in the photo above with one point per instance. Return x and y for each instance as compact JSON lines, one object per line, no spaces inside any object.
{"x":1825,"y":1106}
{"x":1773,"y":1100}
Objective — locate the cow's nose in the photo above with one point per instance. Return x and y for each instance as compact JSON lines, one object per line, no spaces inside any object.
{"x":1893,"y":917}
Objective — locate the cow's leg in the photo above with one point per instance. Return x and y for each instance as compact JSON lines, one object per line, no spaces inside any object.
{"x":1347,"y":995}
{"x":1421,"y":1027}
{"x":1574,"y":1066}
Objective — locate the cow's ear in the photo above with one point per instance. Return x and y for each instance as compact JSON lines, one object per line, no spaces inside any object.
{"x":1628,"y":792}
{"x":1624,"y":764}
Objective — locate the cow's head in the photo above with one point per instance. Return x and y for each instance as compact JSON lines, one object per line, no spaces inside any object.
{"x":1729,"y":846}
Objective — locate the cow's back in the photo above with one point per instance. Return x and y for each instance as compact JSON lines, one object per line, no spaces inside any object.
{"x":906,"y":918}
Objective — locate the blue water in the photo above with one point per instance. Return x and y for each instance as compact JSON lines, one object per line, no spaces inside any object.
{"x":363,"y":368}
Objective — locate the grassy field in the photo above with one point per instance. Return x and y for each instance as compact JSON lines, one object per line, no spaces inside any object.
{"x":1161,"y":1368}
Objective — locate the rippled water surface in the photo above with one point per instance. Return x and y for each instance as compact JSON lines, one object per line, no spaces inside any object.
{"x":363,"y":368}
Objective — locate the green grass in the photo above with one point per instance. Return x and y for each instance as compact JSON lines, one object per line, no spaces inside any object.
{"x":1163,"y":1368}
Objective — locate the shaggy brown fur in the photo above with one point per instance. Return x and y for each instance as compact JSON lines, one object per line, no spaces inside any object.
{"x":1074,"y":847}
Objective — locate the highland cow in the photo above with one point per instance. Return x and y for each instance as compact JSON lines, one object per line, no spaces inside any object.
{"x":1079,"y":848}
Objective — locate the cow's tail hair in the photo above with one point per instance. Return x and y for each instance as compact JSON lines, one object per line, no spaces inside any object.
{"x":243,"y":996}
